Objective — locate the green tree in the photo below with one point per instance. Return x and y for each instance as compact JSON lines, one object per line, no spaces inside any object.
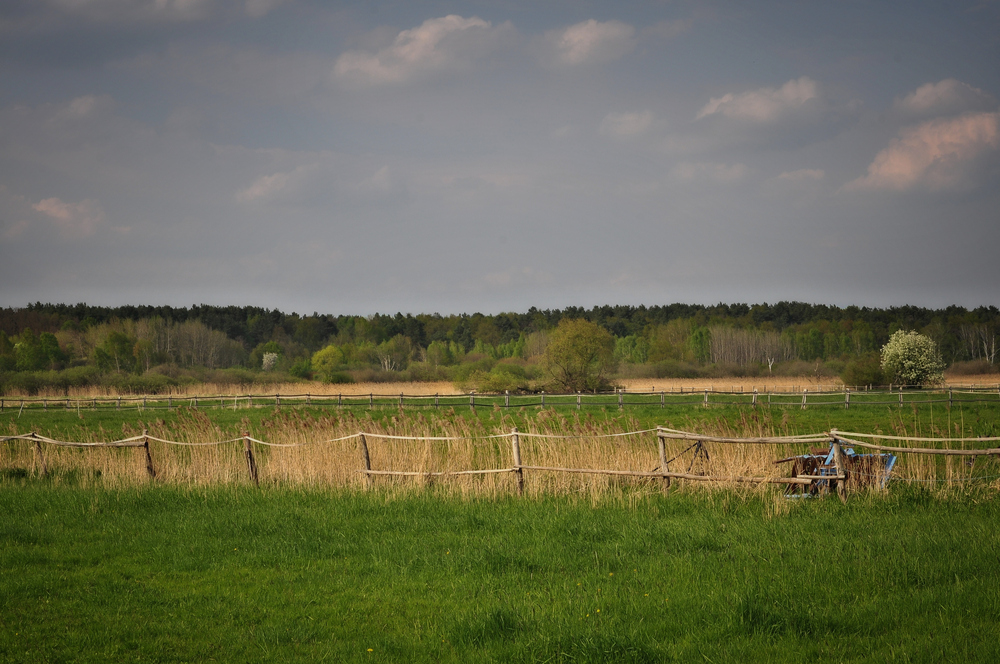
{"x":701,"y":344}
{"x":910,"y":358}
{"x":326,"y":362}
{"x":116,"y":353}
{"x":28,"y":352}
{"x":632,"y":349}
{"x":578,"y":355}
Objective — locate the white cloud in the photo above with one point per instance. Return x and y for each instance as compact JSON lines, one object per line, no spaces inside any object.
{"x":626,"y":125}
{"x":447,"y":43}
{"x":938,"y":154}
{"x":590,"y":42}
{"x":269,"y":187}
{"x":763,"y":105}
{"x":803,"y":175}
{"x":709,"y":171}
{"x":946,"y":97}
{"x":74,"y":220}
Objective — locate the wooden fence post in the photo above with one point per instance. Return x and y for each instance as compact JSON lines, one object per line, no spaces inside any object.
{"x":847,"y":398}
{"x":251,"y":462}
{"x":371,"y":400}
{"x":436,"y":400}
{"x":621,"y":404}
{"x":900,"y":397}
{"x":400,"y":399}
{"x":543,"y":398}
{"x":662,"y":398}
{"x":518,"y":471}
{"x":41,"y":457}
{"x":472,"y":401}
{"x":579,"y":399}
{"x":804,"y":393}
{"x":838,"y":460}
{"x":365,"y":459}
{"x":662,"y":446}
{"x":753,"y":400}
{"x":149,"y":460}
{"x":506,"y":398}
{"x":706,"y":398}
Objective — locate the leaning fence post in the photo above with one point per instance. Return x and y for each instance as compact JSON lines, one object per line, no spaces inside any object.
{"x":149,"y":460}
{"x":251,"y":463}
{"x":366,"y":459}
{"x":663,"y":461}
{"x":838,"y":460}
{"x":38,"y":453}
{"x":516,"y":450}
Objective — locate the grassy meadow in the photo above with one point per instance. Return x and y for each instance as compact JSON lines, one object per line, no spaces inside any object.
{"x":101,"y":563}
{"x":170,"y":574}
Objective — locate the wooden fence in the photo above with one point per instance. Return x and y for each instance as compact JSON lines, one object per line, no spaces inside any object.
{"x":843,"y":398}
{"x":836,"y":440}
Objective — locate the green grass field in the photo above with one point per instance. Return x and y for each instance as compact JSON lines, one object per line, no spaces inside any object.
{"x":408,"y":573}
{"x":174,"y":575}
{"x":963,"y":419}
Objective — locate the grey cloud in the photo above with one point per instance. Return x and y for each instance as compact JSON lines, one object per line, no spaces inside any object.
{"x":947,"y":97}
{"x":449,"y":43}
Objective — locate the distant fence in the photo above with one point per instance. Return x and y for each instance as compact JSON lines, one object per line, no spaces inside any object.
{"x":834,"y":477}
{"x":842,"y":398}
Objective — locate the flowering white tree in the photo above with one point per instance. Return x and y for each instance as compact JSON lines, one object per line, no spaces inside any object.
{"x":912,"y":359}
{"x":270,"y":360}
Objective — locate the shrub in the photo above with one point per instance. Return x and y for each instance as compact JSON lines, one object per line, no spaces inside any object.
{"x":865,"y":370}
{"x":971,"y":368}
{"x":911,"y":358}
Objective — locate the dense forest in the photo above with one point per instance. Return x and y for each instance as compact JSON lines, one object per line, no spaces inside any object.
{"x":151,"y":347}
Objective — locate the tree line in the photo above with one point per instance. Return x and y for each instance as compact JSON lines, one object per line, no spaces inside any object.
{"x":487,"y":350}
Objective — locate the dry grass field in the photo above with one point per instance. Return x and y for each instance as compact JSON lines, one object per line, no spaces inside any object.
{"x":322,"y":449}
{"x":778,"y":384}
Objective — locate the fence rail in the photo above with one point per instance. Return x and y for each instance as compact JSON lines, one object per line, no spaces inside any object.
{"x":832,"y":480}
{"x":844,"y":398}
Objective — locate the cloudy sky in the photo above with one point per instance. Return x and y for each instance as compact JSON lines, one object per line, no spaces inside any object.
{"x":458,"y":156}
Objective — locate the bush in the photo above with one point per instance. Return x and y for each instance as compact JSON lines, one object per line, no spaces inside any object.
{"x":863,"y":371}
{"x":911,"y":358}
{"x":339,"y":378}
{"x":494,"y":382}
{"x":971,"y":368}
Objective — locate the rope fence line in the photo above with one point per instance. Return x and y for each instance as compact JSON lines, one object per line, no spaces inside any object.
{"x":620,"y":398}
{"x":835,"y":438}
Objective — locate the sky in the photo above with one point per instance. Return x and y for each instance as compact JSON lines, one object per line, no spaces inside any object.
{"x":420,"y":157}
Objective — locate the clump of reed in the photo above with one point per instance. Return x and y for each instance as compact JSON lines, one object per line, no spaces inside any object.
{"x":324,"y":450}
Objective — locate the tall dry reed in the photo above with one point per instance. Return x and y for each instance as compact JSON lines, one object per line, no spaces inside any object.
{"x":324,"y":451}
